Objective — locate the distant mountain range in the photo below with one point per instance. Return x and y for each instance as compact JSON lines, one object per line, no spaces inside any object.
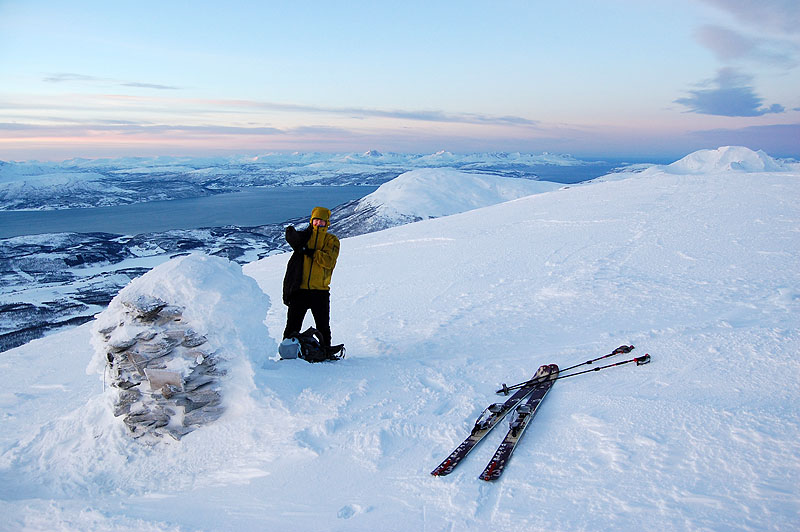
{"x":80,"y":183}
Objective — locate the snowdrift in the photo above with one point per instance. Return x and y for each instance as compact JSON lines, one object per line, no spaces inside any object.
{"x":699,"y":270}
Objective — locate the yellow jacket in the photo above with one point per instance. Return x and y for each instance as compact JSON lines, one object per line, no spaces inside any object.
{"x":317,"y":270}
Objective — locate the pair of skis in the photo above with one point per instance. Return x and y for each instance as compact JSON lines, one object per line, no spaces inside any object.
{"x":532,"y":392}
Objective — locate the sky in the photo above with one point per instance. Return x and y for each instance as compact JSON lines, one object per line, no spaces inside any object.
{"x":653,"y":79}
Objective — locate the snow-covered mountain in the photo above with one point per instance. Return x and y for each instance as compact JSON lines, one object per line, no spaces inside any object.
{"x":721,"y":160}
{"x":430,"y":193}
{"x":728,"y":158}
{"x":78,"y":183}
{"x":435,"y":315}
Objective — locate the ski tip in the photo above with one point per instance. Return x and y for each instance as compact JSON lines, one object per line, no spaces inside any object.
{"x":491,"y":472}
{"x":445,"y":468}
{"x":640,"y":361}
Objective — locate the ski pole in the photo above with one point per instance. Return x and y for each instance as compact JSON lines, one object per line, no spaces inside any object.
{"x":618,"y":351}
{"x":640,"y":361}
{"x":621,"y":349}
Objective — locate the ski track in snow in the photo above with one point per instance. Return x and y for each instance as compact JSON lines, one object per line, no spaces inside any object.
{"x":700,"y":271}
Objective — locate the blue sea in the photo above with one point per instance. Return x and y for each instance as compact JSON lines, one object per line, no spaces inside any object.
{"x":245,"y":208}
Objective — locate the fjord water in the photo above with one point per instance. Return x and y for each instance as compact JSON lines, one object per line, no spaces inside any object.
{"x":245,"y":208}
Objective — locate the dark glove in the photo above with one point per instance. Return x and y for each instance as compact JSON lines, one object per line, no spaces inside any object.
{"x":309,"y":252}
{"x":292,"y":237}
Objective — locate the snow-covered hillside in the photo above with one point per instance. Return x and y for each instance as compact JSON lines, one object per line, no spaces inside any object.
{"x":430,"y":193}
{"x":697,"y":269}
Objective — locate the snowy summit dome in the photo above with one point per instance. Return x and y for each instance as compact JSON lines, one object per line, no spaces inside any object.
{"x":726,"y":158}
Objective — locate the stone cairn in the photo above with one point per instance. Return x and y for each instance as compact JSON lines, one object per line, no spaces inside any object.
{"x":167,"y":379}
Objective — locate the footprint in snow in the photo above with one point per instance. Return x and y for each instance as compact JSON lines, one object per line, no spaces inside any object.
{"x":349,"y":510}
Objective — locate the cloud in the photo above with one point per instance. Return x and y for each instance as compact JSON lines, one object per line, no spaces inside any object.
{"x":67,"y":77}
{"x":730,"y":95}
{"x":181,"y":106}
{"x":416,"y":115}
{"x":149,"y":86}
{"x":132,"y":128}
{"x":440,"y":116}
{"x":766,"y":16}
{"x":730,"y":45}
{"x":767,"y":34}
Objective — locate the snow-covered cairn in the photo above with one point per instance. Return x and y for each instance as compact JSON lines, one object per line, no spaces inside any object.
{"x":172,"y":342}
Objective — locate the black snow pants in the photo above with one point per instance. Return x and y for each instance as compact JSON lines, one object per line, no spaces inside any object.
{"x":319,"y":303}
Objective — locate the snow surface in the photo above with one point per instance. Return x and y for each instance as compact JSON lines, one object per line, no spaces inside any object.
{"x":697,"y":269}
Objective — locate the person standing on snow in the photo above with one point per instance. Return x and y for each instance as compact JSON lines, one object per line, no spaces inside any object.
{"x":306,"y":285}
